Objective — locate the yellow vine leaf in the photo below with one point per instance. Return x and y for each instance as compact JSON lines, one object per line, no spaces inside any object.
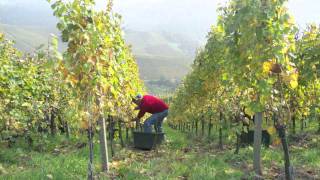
{"x":267,"y":67}
{"x":294,"y":80}
{"x":294,"y":84}
{"x":84,"y":125}
{"x":105,"y":85}
{"x":291,"y":79}
{"x":110,"y":104}
{"x":72,"y":79}
{"x":291,"y":20}
{"x":271,"y":130}
{"x":249,"y":112}
{"x":71,"y":103}
{"x":277,"y":141}
{"x":16,"y":125}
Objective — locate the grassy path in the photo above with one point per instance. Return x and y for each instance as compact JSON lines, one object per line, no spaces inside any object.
{"x":181,"y":157}
{"x":178,"y":158}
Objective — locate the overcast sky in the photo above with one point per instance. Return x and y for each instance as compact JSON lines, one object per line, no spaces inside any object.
{"x":190,"y":17}
{"x":194,"y":16}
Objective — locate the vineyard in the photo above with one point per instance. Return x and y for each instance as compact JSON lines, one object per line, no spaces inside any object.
{"x":249,"y":108}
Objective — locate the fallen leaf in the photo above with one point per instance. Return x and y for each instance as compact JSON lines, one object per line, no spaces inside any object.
{"x":2,"y":170}
{"x":49,"y":176}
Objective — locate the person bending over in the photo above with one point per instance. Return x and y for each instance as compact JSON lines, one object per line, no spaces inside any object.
{"x":153,"y":105}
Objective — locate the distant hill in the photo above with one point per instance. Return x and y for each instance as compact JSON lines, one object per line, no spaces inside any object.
{"x":161,"y":43}
{"x":158,"y":54}
{"x":28,"y":38}
{"x":162,"y":55}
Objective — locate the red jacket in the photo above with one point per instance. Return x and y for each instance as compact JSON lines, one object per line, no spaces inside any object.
{"x":152,"y":105}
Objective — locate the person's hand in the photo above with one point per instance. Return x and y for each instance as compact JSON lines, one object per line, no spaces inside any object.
{"x":137,"y":108}
{"x":135,"y":119}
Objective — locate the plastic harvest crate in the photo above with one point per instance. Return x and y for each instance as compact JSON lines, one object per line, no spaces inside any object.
{"x":147,"y":141}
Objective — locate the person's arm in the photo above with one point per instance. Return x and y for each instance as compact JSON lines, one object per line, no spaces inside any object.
{"x":143,"y":109}
{"x":141,"y":113}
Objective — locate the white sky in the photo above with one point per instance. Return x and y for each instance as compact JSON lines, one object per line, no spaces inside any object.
{"x":303,"y":10}
{"x":191,"y":17}
{"x":195,"y":16}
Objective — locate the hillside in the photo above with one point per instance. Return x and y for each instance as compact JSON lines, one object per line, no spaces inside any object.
{"x":159,"y":54}
{"x":28,"y":38}
{"x":162,"y":54}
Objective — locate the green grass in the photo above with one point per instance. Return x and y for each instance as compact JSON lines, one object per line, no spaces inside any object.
{"x":177,"y":158}
{"x":182,"y":156}
{"x":24,"y":163}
